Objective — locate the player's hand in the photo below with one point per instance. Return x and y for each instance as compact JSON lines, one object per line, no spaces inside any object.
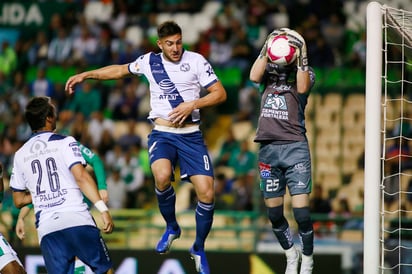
{"x":20,"y":232}
{"x":104,"y":195}
{"x":298,"y":42}
{"x":179,"y":114}
{"x":108,"y":224}
{"x":72,"y":81}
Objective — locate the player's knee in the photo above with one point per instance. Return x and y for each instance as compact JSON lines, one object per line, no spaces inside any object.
{"x":276,"y":217}
{"x":302,"y":217}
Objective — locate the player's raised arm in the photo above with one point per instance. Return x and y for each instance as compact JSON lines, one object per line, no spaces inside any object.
{"x":111,"y":72}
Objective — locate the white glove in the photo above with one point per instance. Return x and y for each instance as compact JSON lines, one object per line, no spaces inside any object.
{"x":296,"y":40}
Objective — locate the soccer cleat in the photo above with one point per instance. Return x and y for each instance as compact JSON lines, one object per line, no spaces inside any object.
{"x":163,"y":246}
{"x":306,"y":266}
{"x":201,"y":263}
{"x":292,"y":260}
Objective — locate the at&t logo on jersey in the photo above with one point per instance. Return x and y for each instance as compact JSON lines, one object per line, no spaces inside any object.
{"x":264,"y":170}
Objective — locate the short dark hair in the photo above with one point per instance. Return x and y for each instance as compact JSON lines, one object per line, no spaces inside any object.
{"x":37,"y":110}
{"x":168,"y":28}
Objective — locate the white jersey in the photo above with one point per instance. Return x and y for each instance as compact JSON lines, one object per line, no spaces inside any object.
{"x":172,"y":83}
{"x":42,"y":166}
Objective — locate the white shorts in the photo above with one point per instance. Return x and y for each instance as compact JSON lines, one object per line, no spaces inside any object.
{"x":7,"y":253}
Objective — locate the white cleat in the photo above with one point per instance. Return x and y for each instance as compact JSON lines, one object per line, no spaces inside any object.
{"x":292,"y":260}
{"x":307,"y":264}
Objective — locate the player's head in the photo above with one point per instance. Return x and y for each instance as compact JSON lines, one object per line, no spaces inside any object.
{"x":170,"y":40}
{"x":41,"y":114}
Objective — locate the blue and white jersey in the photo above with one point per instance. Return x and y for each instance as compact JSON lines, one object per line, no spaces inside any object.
{"x":172,"y":83}
{"x":42,"y":166}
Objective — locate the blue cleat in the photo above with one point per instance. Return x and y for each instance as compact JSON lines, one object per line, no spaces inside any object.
{"x":163,"y":246}
{"x":201,"y":263}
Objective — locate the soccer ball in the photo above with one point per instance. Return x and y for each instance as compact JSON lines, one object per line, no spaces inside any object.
{"x":279,"y":51}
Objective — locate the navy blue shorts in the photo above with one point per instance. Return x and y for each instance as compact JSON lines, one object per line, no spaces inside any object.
{"x":186,"y":149}
{"x":286,"y":165}
{"x":60,"y":248}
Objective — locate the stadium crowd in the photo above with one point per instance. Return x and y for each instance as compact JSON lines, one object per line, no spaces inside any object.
{"x":233,"y":40}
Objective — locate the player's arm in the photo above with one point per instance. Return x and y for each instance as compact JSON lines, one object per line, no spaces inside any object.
{"x":111,"y":72}
{"x":24,"y":211}
{"x":258,"y":69}
{"x":216,"y":95}
{"x":303,"y":81}
{"x":88,"y":187}
{"x":98,"y":167}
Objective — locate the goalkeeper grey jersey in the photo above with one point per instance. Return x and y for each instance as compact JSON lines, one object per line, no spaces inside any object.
{"x":282,"y":112}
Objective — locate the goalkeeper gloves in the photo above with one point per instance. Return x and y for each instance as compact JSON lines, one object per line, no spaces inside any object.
{"x":296,"y":40}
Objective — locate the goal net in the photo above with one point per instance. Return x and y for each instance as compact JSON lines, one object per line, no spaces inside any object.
{"x":388,"y":141}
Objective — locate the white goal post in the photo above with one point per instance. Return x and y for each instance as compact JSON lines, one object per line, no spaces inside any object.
{"x":373,"y":95}
{"x":388,"y":30}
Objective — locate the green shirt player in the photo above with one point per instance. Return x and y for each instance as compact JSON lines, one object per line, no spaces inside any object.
{"x":98,"y":167}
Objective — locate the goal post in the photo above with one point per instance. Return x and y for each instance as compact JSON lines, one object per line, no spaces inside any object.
{"x":373,"y":95}
{"x":387,"y":243}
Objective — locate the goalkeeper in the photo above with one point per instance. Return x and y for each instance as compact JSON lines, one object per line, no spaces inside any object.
{"x":284,"y":156}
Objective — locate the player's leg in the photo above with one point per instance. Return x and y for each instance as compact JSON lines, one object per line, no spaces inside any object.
{"x":162,"y":157}
{"x":299,"y":179}
{"x":300,"y":206}
{"x":204,"y":218}
{"x":57,"y":255}
{"x":13,"y":267}
{"x":9,"y":261}
{"x":195,"y":164}
{"x":89,"y":247}
{"x":273,"y":187}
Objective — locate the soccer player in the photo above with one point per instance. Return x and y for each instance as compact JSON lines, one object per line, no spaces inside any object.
{"x":176,"y":78}
{"x":9,"y":261}
{"x":98,"y":167}
{"x":284,"y":157}
{"x":48,"y":171}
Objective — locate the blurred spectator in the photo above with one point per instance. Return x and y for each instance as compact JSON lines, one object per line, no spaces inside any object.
{"x":248,"y":102}
{"x":242,"y":50}
{"x":103,"y":55}
{"x":318,"y":203}
{"x":85,"y":48}
{"x":132,"y":174}
{"x":229,"y":147}
{"x":8,"y":58}
{"x":98,"y":123}
{"x":256,"y":32}
{"x":333,"y":30}
{"x":244,"y":165}
{"x":220,"y":49}
{"x":116,"y":187}
{"x":60,"y":48}
{"x":107,"y":143}
{"x":19,"y":90}
{"x":358,"y":54}
{"x":86,"y":100}
{"x":37,"y":53}
{"x":128,"y":106}
{"x":79,"y":129}
{"x":129,"y":138}
{"x":41,"y":85}
{"x":119,"y":18}
{"x":224,"y":198}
